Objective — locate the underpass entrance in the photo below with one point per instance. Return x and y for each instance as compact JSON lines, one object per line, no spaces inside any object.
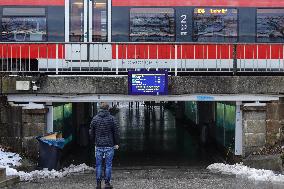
{"x":175,"y":132}
{"x":152,"y":133}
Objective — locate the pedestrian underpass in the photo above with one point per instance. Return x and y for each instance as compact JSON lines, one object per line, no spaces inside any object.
{"x":213,"y":122}
{"x":152,"y":133}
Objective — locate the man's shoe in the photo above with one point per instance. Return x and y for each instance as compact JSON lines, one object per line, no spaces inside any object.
{"x":99,"y":185}
{"x":108,"y":186}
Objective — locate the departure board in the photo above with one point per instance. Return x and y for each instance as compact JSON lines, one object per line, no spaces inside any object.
{"x":147,"y":82}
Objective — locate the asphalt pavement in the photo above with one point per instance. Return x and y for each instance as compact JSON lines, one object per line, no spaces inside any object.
{"x":153,"y":178}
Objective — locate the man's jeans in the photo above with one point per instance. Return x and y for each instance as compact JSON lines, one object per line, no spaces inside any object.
{"x":108,"y":153}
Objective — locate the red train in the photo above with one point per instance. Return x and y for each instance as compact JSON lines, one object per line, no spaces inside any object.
{"x":128,"y":34}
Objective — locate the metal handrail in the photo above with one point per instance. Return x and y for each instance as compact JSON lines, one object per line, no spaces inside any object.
{"x":101,"y":57}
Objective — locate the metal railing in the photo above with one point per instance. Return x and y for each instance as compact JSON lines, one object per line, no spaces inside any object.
{"x":122,"y":57}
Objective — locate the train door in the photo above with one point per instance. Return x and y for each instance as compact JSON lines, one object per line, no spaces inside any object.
{"x":88,"y":21}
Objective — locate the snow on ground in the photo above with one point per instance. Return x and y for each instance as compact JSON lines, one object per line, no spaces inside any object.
{"x":43,"y":174}
{"x":247,"y":172}
{"x":9,"y":160}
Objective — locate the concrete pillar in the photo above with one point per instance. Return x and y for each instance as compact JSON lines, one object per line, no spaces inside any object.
{"x":49,"y":118}
{"x":254,"y":127}
{"x":239,"y":130}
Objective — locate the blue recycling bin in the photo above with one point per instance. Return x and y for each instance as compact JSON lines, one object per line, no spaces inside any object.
{"x":50,"y":152}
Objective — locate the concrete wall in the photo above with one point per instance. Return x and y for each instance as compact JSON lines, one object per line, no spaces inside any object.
{"x":177,"y":85}
{"x":68,"y":85}
{"x":19,"y":127}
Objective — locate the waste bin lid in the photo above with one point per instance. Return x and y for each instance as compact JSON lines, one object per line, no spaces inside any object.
{"x":59,"y":143}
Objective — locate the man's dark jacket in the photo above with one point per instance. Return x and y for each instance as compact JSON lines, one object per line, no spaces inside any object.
{"x":104,"y":130}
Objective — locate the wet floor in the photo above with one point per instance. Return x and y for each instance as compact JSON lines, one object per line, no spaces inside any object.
{"x":150,"y":137}
{"x":153,"y":137}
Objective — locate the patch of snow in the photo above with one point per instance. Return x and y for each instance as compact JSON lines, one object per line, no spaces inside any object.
{"x":44,"y":174}
{"x":244,"y":171}
{"x":8,"y":159}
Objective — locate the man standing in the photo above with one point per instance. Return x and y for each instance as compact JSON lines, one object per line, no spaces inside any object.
{"x":105,"y":133}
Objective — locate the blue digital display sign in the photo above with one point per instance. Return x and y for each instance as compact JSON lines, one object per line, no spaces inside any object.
{"x":148,"y":82}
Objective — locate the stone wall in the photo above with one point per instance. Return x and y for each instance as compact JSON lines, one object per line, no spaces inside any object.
{"x":33,"y":124}
{"x":10,"y":125}
{"x":19,"y":128}
{"x":254,"y":128}
{"x":275,"y":122}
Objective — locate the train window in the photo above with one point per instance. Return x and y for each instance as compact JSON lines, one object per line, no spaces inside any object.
{"x":270,"y":25}
{"x":18,"y":24}
{"x":152,"y":24}
{"x":76,"y":20}
{"x":100,"y":21}
{"x":215,"y":25}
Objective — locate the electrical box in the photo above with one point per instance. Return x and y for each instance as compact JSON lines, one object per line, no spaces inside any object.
{"x":23,"y":85}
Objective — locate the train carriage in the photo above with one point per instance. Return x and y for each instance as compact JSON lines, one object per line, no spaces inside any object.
{"x":106,"y":35}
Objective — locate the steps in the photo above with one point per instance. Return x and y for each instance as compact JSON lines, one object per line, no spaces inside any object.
{"x":6,"y":181}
